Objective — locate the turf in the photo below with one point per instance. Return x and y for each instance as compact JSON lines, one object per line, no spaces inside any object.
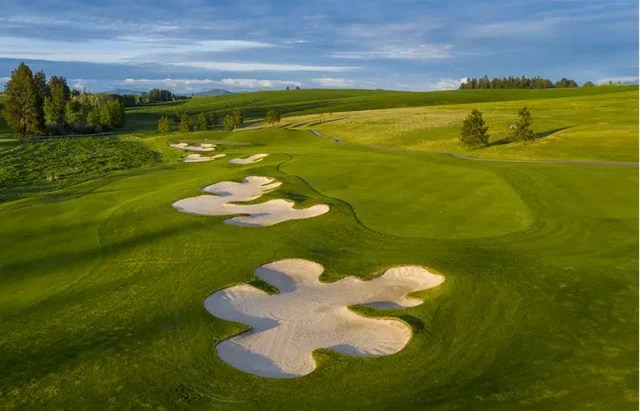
{"x":299,"y":102}
{"x":102,"y":283}
{"x":601,"y":127}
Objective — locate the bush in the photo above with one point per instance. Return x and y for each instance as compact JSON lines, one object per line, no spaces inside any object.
{"x":474,"y":131}
{"x":163,"y":125}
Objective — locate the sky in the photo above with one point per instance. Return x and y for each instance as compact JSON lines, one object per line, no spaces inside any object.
{"x":194,"y":45}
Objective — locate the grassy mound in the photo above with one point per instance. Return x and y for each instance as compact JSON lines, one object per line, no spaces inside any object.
{"x":51,"y":164}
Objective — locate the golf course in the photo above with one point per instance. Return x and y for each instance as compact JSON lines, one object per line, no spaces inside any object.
{"x":135,"y":274}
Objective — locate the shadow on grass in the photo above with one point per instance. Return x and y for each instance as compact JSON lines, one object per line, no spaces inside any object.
{"x":508,"y":140}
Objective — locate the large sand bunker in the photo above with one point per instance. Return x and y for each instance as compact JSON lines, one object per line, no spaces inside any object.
{"x":248,"y":160}
{"x":257,"y":215}
{"x":201,"y":147}
{"x":307,"y":315}
{"x":197,"y":158}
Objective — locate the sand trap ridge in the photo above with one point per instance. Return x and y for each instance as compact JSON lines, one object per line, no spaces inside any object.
{"x":257,"y":215}
{"x":197,"y":158}
{"x":248,"y":160}
{"x":307,"y":314}
{"x":201,"y":147}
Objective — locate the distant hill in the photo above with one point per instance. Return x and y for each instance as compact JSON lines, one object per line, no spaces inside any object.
{"x":214,"y":92}
{"x":123,"y":91}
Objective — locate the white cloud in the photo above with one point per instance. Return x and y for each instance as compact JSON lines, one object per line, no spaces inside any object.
{"x":229,"y":66}
{"x":332,"y":82}
{"x":422,"y":52}
{"x":191,"y":84}
{"x":447,"y":84}
{"x":623,"y":80}
{"x":79,"y":84}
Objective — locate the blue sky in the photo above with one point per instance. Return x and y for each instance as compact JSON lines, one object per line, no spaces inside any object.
{"x":195,"y":45}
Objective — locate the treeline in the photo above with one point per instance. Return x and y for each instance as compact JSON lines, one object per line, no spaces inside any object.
{"x":35,"y":106}
{"x":517,"y":82}
{"x":153,"y":96}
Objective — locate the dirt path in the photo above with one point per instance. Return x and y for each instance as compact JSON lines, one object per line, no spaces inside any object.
{"x":463,"y":157}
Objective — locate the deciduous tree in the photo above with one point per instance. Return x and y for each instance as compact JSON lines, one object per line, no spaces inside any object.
{"x":272,"y":117}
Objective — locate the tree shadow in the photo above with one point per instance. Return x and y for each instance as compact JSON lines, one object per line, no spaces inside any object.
{"x":538,"y":136}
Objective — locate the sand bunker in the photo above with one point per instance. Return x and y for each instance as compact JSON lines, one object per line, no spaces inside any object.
{"x":257,"y":215}
{"x":197,"y":158}
{"x":249,"y":160}
{"x":307,"y":314}
{"x":201,"y":147}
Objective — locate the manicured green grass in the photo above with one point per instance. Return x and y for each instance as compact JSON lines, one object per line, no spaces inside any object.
{"x":299,"y":102}
{"x":47,"y":165}
{"x":102,"y":283}
{"x":601,"y":127}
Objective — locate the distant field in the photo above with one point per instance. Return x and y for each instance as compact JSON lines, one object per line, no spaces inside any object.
{"x":602,"y":127}
{"x":300,"y":102}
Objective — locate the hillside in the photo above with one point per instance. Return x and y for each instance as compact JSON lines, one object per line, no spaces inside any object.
{"x":299,"y":102}
{"x":214,"y":92}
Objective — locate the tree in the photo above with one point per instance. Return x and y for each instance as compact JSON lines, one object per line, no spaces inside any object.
{"x":522,"y":131}
{"x":75,"y":116}
{"x":163,"y":125}
{"x":229,"y":124}
{"x":42,"y":91}
{"x":272,"y":117}
{"x":203,"y":122}
{"x":297,"y":87}
{"x":185,"y":123}
{"x":106,"y":116}
{"x":474,"y":131}
{"x":213,"y":119}
{"x":237,"y":118}
{"x":287,"y":88}
{"x":588,"y":84}
{"x":58,"y":96}
{"x":21,"y":108}
{"x":93,"y":117}
{"x":117,"y":113}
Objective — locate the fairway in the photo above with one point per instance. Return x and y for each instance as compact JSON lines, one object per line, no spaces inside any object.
{"x":103,"y":283}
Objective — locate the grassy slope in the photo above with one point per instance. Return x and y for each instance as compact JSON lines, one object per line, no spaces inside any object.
{"x":598,"y":127}
{"x":102,"y":284}
{"x":298,"y":102}
{"x":25,"y":170}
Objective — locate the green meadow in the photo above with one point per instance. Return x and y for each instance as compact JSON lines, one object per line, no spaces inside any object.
{"x":103,"y":282}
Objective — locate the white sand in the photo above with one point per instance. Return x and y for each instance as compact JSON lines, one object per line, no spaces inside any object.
{"x":256,"y":215}
{"x":197,"y":158}
{"x":307,"y":315}
{"x":248,"y":160}
{"x":201,"y":147}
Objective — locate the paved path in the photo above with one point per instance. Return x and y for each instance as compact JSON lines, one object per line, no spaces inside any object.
{"x":463,"y":157}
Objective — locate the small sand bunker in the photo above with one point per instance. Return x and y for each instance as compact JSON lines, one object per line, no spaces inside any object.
{"x":201,"y":147}
{"x":307,"y":315}
{"x":256,"y":215}
{"x":249,"y":160}
{"x":197,"y":158}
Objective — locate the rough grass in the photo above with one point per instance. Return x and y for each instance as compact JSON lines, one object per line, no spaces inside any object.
{"x":600,"y":127}
{"x":102,"y":283}
{"x":299,"y":102}
{"x":51,"y":164}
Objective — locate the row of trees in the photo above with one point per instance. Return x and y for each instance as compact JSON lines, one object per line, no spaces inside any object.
{"x":517,"y":82}
{"x":475,"y":132}
{"x":207,"y":121}
{"x":35,"y":106}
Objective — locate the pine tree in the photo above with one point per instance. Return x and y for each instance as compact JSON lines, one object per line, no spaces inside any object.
{"x":163,"y":125}
{"x":474,"y":131}
{"x":237,"y":118}
{"x":117,"y":113}
{"x":213,"y":119}
{"x":59,"y":95}
{"x":21,"y":109}
{"x":106,"y":118}
{"x":522,"y":131}
{"x":185,"y":123}
{"x":93,"y":117}
{"x":203,"y":122}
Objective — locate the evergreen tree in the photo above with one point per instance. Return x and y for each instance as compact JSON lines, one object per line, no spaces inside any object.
{"x":522,"y":131}
{"x":237,"y":118}
{"x":213,"y":119}
{"x":93,"y":117}
{"x":58,"y":95}
{"x":106,"y":116}
{"x":42,"y":91}
{"x":75,"y":116}
{"x":588,"y":84}
{"x":272,"y":117}
{"x":117,"y":113}
{"x":185,"y":123}
{"x":21,"y":108}
{"x":203,"y":122}
{"x":474,"y":131}
{"x":163,"y":125}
